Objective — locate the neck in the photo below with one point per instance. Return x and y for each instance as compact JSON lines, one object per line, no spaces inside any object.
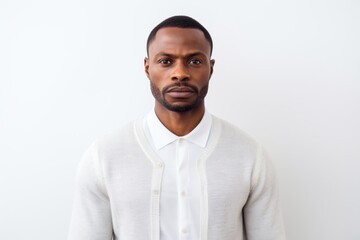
{"x":180,"y":123}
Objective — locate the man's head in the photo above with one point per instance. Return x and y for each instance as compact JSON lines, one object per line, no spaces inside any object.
{"x":179,"y":64}
{"x":179,"y":22}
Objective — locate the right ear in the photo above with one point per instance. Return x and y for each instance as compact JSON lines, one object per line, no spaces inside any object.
{"x":146,"y":67}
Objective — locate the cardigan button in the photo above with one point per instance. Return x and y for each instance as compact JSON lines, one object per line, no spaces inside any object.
{"x":156,"y":192}
{"x":184,"y":231}
{"x":160,"y":164}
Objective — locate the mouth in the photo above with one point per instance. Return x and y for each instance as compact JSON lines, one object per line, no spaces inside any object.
{"x":180,"y":92}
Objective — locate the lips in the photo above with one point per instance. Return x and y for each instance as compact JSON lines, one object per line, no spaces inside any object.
{"x":180,"y":91}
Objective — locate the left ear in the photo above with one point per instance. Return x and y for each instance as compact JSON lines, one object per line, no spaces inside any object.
{"x":212,"y":63}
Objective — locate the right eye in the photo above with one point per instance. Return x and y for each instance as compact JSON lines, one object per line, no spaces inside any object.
{"x":165,"y":61}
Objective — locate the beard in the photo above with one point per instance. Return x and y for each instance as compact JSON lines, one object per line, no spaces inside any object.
{"x":159,"y":96}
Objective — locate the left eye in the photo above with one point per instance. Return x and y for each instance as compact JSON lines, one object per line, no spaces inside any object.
{"x":195,"y":61}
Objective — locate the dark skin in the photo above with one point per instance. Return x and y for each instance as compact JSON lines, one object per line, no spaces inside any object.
{"x":179,"y":67}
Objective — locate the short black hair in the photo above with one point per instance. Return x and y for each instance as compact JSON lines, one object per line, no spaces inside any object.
{"x":179,"y":21}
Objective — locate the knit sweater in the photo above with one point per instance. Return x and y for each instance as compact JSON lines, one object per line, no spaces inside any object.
{"x":118,"y":188}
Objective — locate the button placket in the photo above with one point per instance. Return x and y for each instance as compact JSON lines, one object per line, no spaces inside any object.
{"x":182,"y":191}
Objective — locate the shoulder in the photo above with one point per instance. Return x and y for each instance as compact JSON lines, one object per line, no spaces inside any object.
{"x":119,"y":140}
{"x":120,"y":135}
{"x":235,"y":143}
{"x":232,"y":134}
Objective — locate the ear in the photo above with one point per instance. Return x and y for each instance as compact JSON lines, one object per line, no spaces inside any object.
{"x":212,"y":63}
{"x":146,"y":67}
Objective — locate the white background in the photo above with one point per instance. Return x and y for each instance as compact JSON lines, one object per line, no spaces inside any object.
{"x":287,"y":72}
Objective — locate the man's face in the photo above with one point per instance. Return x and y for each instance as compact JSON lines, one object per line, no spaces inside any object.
{"x":179,"y":68}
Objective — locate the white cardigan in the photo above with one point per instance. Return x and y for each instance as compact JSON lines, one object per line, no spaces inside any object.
{"x":118,"y":189}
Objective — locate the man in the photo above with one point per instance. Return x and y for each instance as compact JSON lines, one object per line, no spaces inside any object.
{"x":179,"y":173}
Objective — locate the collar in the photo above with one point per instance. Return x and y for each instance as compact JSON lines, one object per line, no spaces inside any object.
{"x":161,"y":136}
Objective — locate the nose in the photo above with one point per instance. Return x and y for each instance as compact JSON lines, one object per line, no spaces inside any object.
{"x":180,"y":72}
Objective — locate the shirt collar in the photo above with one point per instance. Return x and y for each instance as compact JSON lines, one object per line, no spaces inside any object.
{"x":161,"y":136}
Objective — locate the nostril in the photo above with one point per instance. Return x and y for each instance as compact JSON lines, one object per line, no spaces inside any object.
{"x":180,"y":76}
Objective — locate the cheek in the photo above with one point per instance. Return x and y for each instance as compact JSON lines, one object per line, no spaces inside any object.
{"x":153,"y":72}
{"x":158,"y":77}
{"x":154,"y":89}
{"x":204,"y":77}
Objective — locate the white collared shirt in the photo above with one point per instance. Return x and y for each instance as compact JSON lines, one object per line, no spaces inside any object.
{"x":123,"y":188}
{"x":180,"y":188}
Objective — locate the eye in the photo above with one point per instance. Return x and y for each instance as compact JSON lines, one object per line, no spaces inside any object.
{"x":194,"y":61}
{"x":165,"y":61}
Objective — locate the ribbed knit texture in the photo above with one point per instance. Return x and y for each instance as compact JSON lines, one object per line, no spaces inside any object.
{"x":119,"y":184}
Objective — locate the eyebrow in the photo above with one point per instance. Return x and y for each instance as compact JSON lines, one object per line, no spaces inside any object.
{"x":164,"y":54}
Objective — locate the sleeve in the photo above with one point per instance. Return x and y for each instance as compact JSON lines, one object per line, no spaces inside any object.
{"x":91,"y":216}
{"x":262,"y":213}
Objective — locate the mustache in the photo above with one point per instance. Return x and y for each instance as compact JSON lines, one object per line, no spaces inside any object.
{"x":180,"y":84}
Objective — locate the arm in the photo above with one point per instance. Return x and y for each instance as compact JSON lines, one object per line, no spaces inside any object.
{"x":262,"y":214}
{"x":91,"y":217}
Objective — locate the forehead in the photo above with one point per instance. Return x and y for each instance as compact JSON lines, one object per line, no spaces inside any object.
{"x":173,"y":40}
